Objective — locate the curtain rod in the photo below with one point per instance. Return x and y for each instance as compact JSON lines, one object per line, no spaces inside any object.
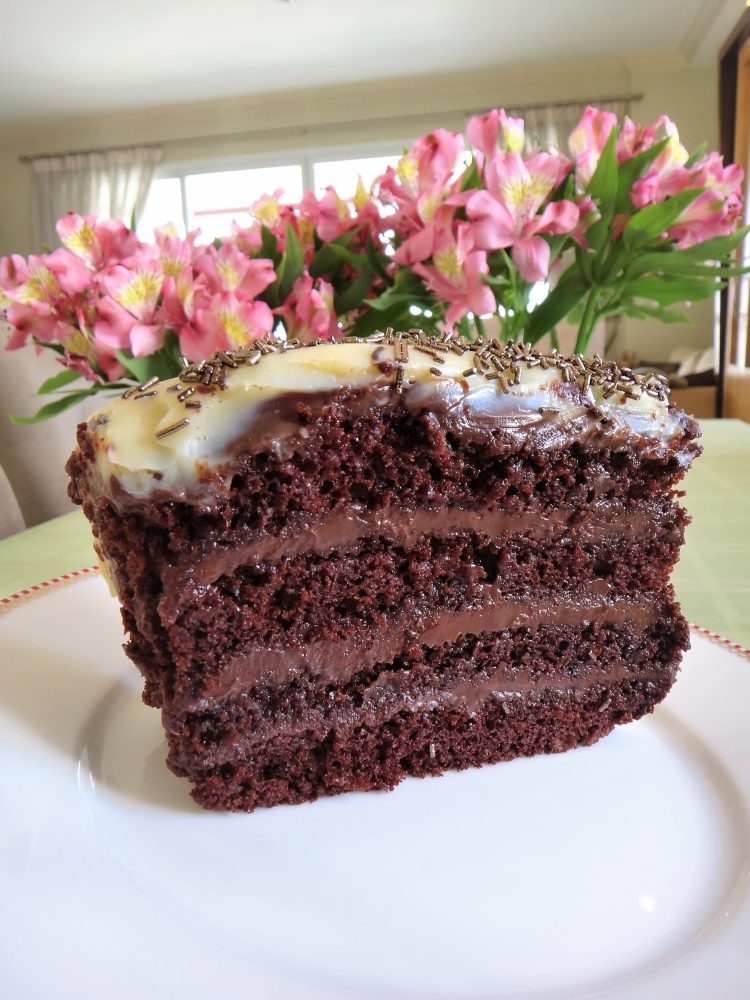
{"x":626,"y":98}
{"x":28,"y":157}
{"x":303,"y":130}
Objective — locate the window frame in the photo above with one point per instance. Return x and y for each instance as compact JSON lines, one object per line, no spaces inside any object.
{"x":304,"y":156}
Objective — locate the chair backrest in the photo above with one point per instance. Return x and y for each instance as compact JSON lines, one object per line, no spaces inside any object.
{"x":11,"y":518}
{"x":33,"y":456}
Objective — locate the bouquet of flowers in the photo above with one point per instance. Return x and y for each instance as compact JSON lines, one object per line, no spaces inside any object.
{"x":464,"y":227}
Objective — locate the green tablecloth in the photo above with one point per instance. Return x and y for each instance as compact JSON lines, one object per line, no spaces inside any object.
{"x":712,"y":579}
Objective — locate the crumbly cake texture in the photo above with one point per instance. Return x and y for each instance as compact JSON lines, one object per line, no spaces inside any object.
{"x":347,"y":563}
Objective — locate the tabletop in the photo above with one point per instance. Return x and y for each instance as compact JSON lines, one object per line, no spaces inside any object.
{"x":712,"y":579}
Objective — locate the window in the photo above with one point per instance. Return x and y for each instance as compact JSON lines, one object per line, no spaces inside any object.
{"x":207,"y":197}
{"x":344,"y":174}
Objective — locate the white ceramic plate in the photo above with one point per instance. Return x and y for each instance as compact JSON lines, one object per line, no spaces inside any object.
{"x":619,"y":870}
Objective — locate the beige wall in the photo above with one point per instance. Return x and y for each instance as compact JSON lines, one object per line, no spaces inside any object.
{"x":380,"y":110}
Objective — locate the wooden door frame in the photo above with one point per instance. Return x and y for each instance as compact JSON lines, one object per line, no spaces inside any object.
{"x":729,"y":58}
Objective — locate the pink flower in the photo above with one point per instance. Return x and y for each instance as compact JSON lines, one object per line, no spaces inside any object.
{"x":667,"y":175}
{"x":12,"y":272}
{"x":113,"y":324}
{"x":181,"y":295}
{"x":41,"y":296}
{"x":429,"y":165}
{"x":430,"y":162}
{"x":588,"y":139}
{"x":713,"y":213}
{"x":173,"y":252}
{"x":434,"y":211}
{"x":229,"y":270}
{"x":268,"y":210}
{"x":504,"y":215}
{"x":588,"y":214}
{"x":309,"y":312}
{"x":483,"y":132}
{"x":83,"y":351}
{"x":455,"y":275}
{"x":72,"y":276}
{"x":334,"y":217}
{"x":247,"y":240}
{"x":135,"y":286}
{"x":708,"y":216}
{"x":36,"y":321}
{"x":33,"y":302}
{"x":228,"y":322}
{"x":96,"y":243}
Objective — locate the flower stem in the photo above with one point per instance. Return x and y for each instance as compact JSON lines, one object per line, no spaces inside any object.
{"x":479,"y":324}
{"x":588,"y":321}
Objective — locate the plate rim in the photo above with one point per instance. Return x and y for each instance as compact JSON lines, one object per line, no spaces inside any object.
{"x":29,"y":594}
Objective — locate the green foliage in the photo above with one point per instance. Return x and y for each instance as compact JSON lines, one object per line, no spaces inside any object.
{"x":56,"y":406}
{"x":164,"y":363}
{"x":54,"y":382}
{"x":561,"y":300}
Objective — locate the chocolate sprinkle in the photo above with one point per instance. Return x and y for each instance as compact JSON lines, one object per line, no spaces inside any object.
{"x":495,"y":361}
{"x":172,"y":428}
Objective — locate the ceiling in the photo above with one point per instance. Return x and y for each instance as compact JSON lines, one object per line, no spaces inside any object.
{"x":79,"y":56}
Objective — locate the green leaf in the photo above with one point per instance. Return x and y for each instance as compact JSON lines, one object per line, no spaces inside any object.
{"x":597,"y":235}
{"x":62,"y":378}
{"x":680,"y":263}
{"x":55,"y":407}
{"x":565,"y":189}
{"x":216,"y":243}
{"x":696,"y":155}
{"x":377,"y":261}
{"x":164,"y":363}
{"x":327,"y":257}
{"x":654,"y":312}
{"x":57,"y":348}
{"x":375,"y":319}
{"x":603,"y":185}
{"x":407,"y":289}
{"x":495,"y":280}
{"x":631,"y":170}
{"x":564,"y":297}
{"x":653,"y":220}
{"x":351,"y":297}
{"x":667,"y":289}
{"x":584,"y":262}
{"x":471,"y":178}
{"x":291,"y":264}
{"x":269,"y":245}
{"x":717,"y":248}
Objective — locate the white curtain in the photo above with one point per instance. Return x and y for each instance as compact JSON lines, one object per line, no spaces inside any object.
{"x":112,"y":183}
{"x":553,"y":123}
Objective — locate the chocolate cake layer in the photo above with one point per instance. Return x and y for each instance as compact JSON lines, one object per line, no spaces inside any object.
{"x":461,"y":675}
{"x":403,"y":457}
{"x":346,"y":527}
{"x":301,"y":768}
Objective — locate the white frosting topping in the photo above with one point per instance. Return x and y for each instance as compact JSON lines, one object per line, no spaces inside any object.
{"x":126,"y":430}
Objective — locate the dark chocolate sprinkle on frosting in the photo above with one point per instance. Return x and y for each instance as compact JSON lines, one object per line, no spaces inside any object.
{"x":494,"y":360}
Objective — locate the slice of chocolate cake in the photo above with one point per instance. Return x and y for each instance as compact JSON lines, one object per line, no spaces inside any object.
{"x":347,"y":563}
